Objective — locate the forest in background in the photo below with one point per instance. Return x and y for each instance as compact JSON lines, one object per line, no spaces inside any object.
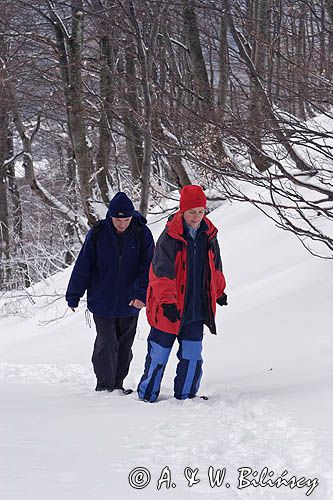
{"x":146,"y":96}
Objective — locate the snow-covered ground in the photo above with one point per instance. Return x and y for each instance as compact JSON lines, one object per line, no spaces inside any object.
{"x":268,"y":375}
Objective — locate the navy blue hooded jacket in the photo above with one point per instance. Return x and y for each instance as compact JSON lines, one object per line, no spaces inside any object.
{"x":112,"y":273}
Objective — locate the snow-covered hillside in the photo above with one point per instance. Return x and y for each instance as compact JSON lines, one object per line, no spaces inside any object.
{"x":268,"y":375}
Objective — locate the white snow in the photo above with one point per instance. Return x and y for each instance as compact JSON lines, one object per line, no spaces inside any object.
{"x":268,"y":374}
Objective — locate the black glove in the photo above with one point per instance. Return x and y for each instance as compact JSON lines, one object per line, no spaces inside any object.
{"x":171,"y":312}
{"x":222,"y":301}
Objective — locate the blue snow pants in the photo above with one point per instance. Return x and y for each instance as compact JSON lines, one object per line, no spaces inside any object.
{"x":189,"y":368}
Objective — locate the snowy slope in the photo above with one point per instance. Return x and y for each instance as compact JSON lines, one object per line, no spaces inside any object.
{"x":268,"y":374}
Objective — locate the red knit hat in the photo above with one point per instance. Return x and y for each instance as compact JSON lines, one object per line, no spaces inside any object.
{"x":192,"y":197}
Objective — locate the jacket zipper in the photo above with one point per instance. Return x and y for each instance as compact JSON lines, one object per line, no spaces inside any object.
{"x":119,"y":260}
{"x":186,"y":289}
{"x":194,"y":273}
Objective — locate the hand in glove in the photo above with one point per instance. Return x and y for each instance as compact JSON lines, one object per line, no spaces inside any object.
{"x":222,"y":301}
{"x":171,"y":312}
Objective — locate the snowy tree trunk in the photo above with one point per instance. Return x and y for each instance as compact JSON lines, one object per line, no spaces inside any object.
{"x":133,"y":133}
{"x":104,"y":146}
{"x":259,"y":21}
{"x":223,"y":65}
{"x":17,"y":221}
{"x":70,"y":226}
{"x":145,"y":57}
{"x":70,"y":61}
{"x":4,"y":219}
{"x":4,"y":132}
{"x":200,"y":75}
{"x":329,"y":7}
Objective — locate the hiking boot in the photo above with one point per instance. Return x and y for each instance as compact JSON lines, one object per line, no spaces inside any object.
{"x":100,"y":387}
{"x":126,"y":392}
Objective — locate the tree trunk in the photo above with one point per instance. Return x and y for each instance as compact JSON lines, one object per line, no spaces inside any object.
{"x":104,"y":146}
{"x":146,"y":61}
{"x":4,"y":132}
{"x":15,"y":196}
{"x":259,"y":55}
{"x":329,"y":7}
{"x":70,"y":226}
{"x":70,"y":61}
{"x":223,"y":65}
{"x":200,"y":75}
{"x":133,"y":133}
{"x":300,"y":68}
{"x":4,"y":219}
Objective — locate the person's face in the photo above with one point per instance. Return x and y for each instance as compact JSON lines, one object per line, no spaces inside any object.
{"x":194,"y":216}
{"x":121,"y":224}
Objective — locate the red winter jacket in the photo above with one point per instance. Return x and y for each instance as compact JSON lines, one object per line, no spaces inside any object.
{"x":168,"y":275}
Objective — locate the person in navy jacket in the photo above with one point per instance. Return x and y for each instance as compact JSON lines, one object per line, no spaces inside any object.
{"x":113,"y":267}
{"x":186,"y":281}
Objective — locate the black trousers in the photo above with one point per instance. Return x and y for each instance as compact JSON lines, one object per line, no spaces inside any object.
{"x":113,"y":349}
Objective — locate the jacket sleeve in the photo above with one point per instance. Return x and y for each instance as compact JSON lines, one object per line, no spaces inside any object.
{"x":141,"y":284}
{"x":220,"y":279}
{"x":162,"y":276}
{"x":81,"y":274}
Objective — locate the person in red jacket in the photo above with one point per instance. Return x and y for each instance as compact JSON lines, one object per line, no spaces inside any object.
{"x":185,"y":283}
